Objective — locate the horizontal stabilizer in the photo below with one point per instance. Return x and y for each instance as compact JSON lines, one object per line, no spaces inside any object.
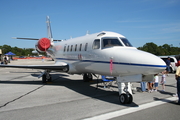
{"x":25,"y":38}
{"x":30,"y":38}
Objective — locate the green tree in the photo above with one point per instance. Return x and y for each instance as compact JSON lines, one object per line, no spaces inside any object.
{"x":160,"y":50}
{"x":150,"y":47}
{"x":18,"y":51}
{"x":5,"y":49}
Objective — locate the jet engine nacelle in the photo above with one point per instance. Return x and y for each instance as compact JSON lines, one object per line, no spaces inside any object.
{"x":43,"y":44}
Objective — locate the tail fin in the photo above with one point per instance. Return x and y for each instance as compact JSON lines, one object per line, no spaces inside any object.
{"x":50,"y":37}
{"x":49,"y":29}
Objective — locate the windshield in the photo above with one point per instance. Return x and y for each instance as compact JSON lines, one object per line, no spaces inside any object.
{"x":126,"y":42}
{"x":110,"y":42}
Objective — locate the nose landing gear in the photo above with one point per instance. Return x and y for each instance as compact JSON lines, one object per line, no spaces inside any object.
{"x":125,"y":96}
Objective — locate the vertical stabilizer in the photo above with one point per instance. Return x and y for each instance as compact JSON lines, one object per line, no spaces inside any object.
{"x":49,"y":29}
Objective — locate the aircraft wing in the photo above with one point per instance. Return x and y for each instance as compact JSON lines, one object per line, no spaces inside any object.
{"x":55,"y":67}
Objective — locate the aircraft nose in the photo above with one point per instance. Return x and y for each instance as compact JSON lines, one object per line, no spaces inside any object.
{"x":154,"y":63}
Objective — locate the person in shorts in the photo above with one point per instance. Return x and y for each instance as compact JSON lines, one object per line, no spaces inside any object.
{"x":163,"y":80}
{"x":156,"y":82}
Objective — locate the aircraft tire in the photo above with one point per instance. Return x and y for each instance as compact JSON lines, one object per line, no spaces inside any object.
{"x":130,"y":98}
{"x":44,"y":79}
{"x":87,"y":77}
{"x":50,"y":79}
{"x":123,"y":98}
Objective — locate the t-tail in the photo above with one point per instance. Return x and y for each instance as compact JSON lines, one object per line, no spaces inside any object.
{"x":43,"y":44}
{"x":49,"y":32}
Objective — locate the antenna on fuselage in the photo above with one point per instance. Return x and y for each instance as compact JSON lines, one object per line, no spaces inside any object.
{"x":87,"y":33}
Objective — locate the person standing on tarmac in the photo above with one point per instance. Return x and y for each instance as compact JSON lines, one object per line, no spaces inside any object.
{"x":6,"y":59}
{"x":177,"y":77}
{"x":168,"y":63}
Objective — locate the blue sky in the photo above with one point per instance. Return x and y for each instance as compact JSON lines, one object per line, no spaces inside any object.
{"x":141,"y":21}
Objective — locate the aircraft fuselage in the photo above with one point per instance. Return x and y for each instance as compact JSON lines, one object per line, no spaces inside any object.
{"x":91,"y":54}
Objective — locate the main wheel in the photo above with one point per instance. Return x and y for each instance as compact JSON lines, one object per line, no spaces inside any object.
{"x":87,"y":77}
{"x":123,"y":98}
{"x":44,"y":79}
{"x":49,"y":79}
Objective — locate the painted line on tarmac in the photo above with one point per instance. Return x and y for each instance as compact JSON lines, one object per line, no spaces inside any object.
{"x":131,"y":110}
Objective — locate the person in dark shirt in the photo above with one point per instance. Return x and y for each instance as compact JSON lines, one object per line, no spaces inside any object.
{"x":168,"y":63}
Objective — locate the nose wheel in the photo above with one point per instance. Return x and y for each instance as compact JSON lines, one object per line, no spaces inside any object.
{"x":125,"y":98}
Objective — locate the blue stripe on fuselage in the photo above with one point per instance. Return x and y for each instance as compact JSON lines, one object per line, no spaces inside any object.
{"x":108,"y":62}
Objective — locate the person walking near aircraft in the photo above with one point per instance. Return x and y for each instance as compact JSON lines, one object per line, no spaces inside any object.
{"x":143,"y":86}
{"x":156,"y":81}
{"x":163,"y":80}
{"x":177,"y":77}
{"x":150,"y":86}
{"x":168,"y":63}
{"x":178,"y":64}
{"x":6,"y":59}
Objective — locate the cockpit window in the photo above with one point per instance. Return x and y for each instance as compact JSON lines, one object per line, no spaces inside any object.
{"x":96,"y":44}
{"x":110,"y":42}
{"x":126,"y":42}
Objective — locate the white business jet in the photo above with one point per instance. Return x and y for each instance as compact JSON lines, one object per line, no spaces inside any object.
{"x":104,"y":53}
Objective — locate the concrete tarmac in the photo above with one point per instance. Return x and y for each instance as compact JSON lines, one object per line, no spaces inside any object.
{"x":168,"y":111}
{"x":23,"y":96}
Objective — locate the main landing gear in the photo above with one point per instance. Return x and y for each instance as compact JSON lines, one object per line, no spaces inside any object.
{"x":46,"y":77}
{"x":87,"y":77}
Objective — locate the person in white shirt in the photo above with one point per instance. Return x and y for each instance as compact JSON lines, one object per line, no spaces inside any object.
{"x":156,"y":82}
{"x":163,"y":80}
{"x":6,"y":58}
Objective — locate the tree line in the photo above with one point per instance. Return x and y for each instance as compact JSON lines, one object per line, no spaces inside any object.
{"x":18,"y":51}
{"x":148,"y":47}
{"x":163,"y":50}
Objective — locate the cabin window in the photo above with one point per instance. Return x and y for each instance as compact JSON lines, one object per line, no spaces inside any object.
{"x":68,"y":48}
{"x":85,"y":48}
{"x":64,"y":48}
{"x":71,"y":47}
{"x":126,"y":42}
{"x":75,"y":47}
{"x":96,"y":44}
{"x":110,"y":42}
{"x":80,"y":47}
